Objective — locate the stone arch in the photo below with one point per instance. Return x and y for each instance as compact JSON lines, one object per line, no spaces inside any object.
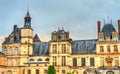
{"x":9,"y":72}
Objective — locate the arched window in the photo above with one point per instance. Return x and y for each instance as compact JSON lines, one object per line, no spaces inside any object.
{"x":9,"y":72}
{"x":47,"y":59}
{"x":39,"y":59}
{"x":31,"y":60}
{"x":10,"y":50}
{"x":16,"y":50}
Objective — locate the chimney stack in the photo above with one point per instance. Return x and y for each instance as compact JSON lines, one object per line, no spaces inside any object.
{"x":119,"y":26}
{"x":15,"y":26}
{"x":98,"y":24}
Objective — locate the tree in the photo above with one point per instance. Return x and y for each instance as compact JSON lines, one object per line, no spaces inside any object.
{"x":69,"y":73}
{"x":51,"y":70}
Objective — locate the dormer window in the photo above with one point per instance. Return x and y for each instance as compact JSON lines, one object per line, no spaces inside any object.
{"x":11,"y":38}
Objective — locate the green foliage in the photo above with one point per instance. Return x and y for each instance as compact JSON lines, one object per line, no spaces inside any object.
{"x":51,"y":70}
{"x":69,"y":73}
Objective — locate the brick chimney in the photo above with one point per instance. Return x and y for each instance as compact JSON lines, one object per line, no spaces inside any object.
{"x":98,"y":24}
{"x":119,"y":26}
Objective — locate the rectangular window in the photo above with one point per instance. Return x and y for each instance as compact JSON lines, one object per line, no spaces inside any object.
{"x":83,"y":62}
{"x":54,"y":49}
{"x":108,"y":48}
{"x":63,"y":48}
{"x":37,"y":71}
{"x":63,"y":71}
{"x":54,"y":60}
{"x":63,"y":61}
{"x":45,"y":71}
{"x":102,"y":61}
{"x":115,"y":48}
{"x":29,"y":71}
{"x":101,"y":49}
{"x":91,"y":61}
{"x":116,"y":61}
{"x":74,"y":62}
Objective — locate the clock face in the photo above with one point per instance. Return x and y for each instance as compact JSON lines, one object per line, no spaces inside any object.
{"x":110,"y":72}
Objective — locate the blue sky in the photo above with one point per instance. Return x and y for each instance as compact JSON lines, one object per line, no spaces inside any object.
{"x":79,"y":17}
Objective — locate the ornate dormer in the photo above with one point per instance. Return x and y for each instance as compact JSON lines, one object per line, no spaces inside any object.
{"x":27,"y":20}
{"x":60,"y":35}
{"x":107,"y":33}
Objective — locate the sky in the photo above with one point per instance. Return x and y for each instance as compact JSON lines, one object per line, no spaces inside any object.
{"x":79,"y":17}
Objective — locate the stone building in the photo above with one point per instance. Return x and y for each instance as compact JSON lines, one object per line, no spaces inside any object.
{"x":23,"y":53}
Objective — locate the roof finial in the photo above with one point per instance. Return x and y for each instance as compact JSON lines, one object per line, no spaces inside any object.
{"x":28,"y":8}
{"x":62,"y":28}
{"x":104,"y":21}
{"x":58,"y":28}
{"x":108,"y":19}
{"x":111,"y":21}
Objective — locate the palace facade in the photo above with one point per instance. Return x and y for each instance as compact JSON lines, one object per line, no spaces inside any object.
{"x":24,"y":54}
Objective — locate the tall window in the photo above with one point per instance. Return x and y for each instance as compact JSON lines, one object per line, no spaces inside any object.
{"x":29,"y":71}
{"x":63,"y":61}
{"x":16,"y":50}
{"x":102,"y":61}
{"x":74,"y":62}
{"x":63,"y":72}
{"x":62,"y":36}
{"x":15,"y":62}
{"x":45,"y":71}
{"x":54,"y":49}
{"x":115,"y":48}
{"x":9,"y":62}
{"x":10,"y":50}
{"x":54,"y":60}
{"x":101,"y":49}
{"x":5,"y":50}
{"x":37,"y":71}
{"x":83,"y":62}
{"x":116,"y":61}
{"x":91,"y":61}
{"x":63,"y":48}
{"x":108,"y":48}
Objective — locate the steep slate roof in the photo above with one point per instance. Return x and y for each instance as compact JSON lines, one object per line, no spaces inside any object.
{"x":108,"y":29}
{"x":41,"y":48}
{"x":84,"y":46}
{"x":78,"y":47}
{"x":16,"y":35}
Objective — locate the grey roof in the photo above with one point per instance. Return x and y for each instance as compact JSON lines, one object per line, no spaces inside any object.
{"x":78,"y":47}
{"x":108,"y":29}
{"x":84,"y":46}
{"x":40,"y":48}
{"x":36,"y":38}
{"x":16,"y":37}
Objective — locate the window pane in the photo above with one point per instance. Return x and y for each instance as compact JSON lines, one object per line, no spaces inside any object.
{"x":29,"y":71}
{"x":101,"y":49}
{"x":91,"y":61}
{"x":74,"y":61}
{"x":54,"y":49}
{"x":37,"y":71}
{"x":63,"y":48}
{"x":83,"y":62}
{"x":63,"y":71}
